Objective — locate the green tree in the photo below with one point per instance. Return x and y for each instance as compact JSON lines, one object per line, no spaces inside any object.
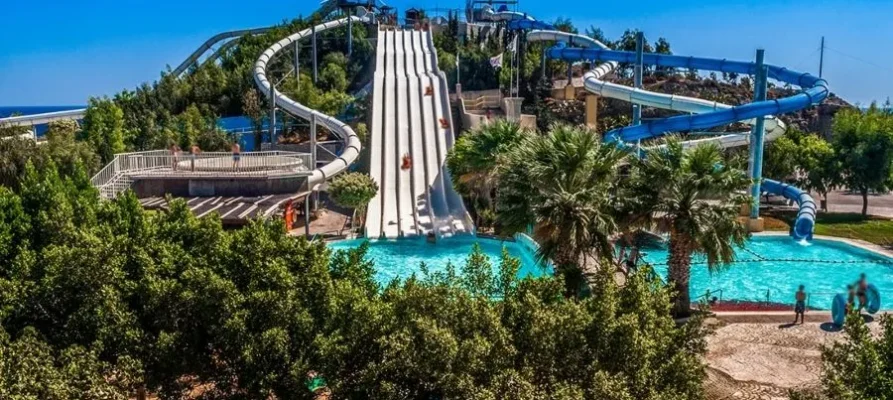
{"x":333,"y":76}
{"x":820,"y":166}
{"x":31,"y":369}
{"x":864,"y":145}
{"x":353,"y":190}
{"x":561,"y":184}
{"x":780,"y":158}
{"x":695,"y":195}
{"x":254,"y":110}
{"x":860,"y":366}
{"x":473,"y":162}
{"x":104,"y":128}
{"x":68,"y":154}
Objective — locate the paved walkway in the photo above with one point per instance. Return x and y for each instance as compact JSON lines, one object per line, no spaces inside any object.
{"x":846,"y":202}
{"x":765,"y":360}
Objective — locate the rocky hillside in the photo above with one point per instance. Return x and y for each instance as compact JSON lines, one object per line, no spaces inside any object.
{"x":614,"y":113}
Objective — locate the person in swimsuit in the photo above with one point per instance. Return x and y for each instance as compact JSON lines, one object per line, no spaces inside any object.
{"x":407,"y":162}
{"x":850,"y":298}
{"x":193,"y":153}
{"x":175,"y":156}
{"x":862,"y":291}
{"x":237,"y":154}
{"x":800,"y":305}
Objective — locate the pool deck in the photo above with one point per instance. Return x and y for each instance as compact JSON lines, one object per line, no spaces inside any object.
{"x":763,"y":360}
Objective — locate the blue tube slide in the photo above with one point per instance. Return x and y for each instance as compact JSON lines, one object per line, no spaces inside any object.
{"x":816,"y":90}
{"x":805,"y":221}
{"x":528,"y":24}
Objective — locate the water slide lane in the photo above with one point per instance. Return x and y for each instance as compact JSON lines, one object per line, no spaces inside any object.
{"x":390,"y":219}
{"x":460,"y":219}
{"x":420,"y":193}
{"x":439,"y":146}
{"x":434,"y":180}
{"x":405,"y":203}
{"x":373,"y":211}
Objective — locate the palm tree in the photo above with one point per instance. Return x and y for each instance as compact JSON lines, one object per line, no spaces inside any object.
{"x":562,"y":185}
{"x":695,"y":195}
{"x":473,"y":161}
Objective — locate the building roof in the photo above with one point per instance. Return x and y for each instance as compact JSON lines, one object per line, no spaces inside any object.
{"x":232,"y":210}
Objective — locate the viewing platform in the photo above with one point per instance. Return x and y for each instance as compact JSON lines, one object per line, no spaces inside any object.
{"x":160,"y":172}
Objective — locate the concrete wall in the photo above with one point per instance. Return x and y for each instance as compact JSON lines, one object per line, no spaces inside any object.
{"x":247,"y":186}
{"x":473,"y":106}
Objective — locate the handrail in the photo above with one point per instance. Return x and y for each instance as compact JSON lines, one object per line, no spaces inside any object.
{"x":117,"y":175}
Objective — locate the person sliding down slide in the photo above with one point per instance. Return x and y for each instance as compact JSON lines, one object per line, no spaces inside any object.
{"x":407,"y":162}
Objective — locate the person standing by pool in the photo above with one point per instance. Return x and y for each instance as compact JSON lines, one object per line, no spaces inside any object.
{"x":800,"y":305}
{"x":862,"y":291}
{"x":850,"y":298}
{"x":237,"y":154}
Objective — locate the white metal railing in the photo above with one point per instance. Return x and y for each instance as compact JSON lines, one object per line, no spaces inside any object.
{"x":117,"y":176}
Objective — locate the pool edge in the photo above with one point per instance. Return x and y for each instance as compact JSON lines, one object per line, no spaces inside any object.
{"x":858,"y":243}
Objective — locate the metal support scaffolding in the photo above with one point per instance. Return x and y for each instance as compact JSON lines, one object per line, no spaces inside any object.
{"x":638,"y":70}
{"x":756,"y":141}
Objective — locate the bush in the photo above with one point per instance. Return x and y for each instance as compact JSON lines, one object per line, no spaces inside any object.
{"x":353,"y":190}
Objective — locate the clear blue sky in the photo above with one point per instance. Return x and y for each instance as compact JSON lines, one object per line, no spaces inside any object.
{"x":59,"y":52}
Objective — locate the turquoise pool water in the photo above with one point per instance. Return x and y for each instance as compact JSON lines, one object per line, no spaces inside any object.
{"x":777,"y":265}
{"x":401,"y":258}
{"x":768,"y":267}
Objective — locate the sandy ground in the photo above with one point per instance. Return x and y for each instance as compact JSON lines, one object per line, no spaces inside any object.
{"x":765,"y":360}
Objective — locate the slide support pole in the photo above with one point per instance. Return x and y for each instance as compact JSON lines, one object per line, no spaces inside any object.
{"x":637,"y":82}
{"x":313,"y":140}
{"x":756,"y":141}
{"x":272,"y":111}
{"x":543,"y":66}
{"x":349,"y":34}
{"x":307,"y":214}
{"x":315,"y":71}
{"x":298,"y":61}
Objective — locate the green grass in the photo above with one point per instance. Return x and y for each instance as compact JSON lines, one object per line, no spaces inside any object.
{"x":852,"y":226}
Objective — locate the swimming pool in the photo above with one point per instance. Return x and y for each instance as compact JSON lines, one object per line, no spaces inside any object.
{"x":767,"y":268}
{"x":401,"y":258}
{"x":776,"y":265}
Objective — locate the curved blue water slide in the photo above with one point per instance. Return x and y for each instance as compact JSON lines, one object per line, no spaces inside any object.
{"x":805,"y":221}
{"x":816,"y":90}
{"x":527,"y":24}
{"x":516,"y":20}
